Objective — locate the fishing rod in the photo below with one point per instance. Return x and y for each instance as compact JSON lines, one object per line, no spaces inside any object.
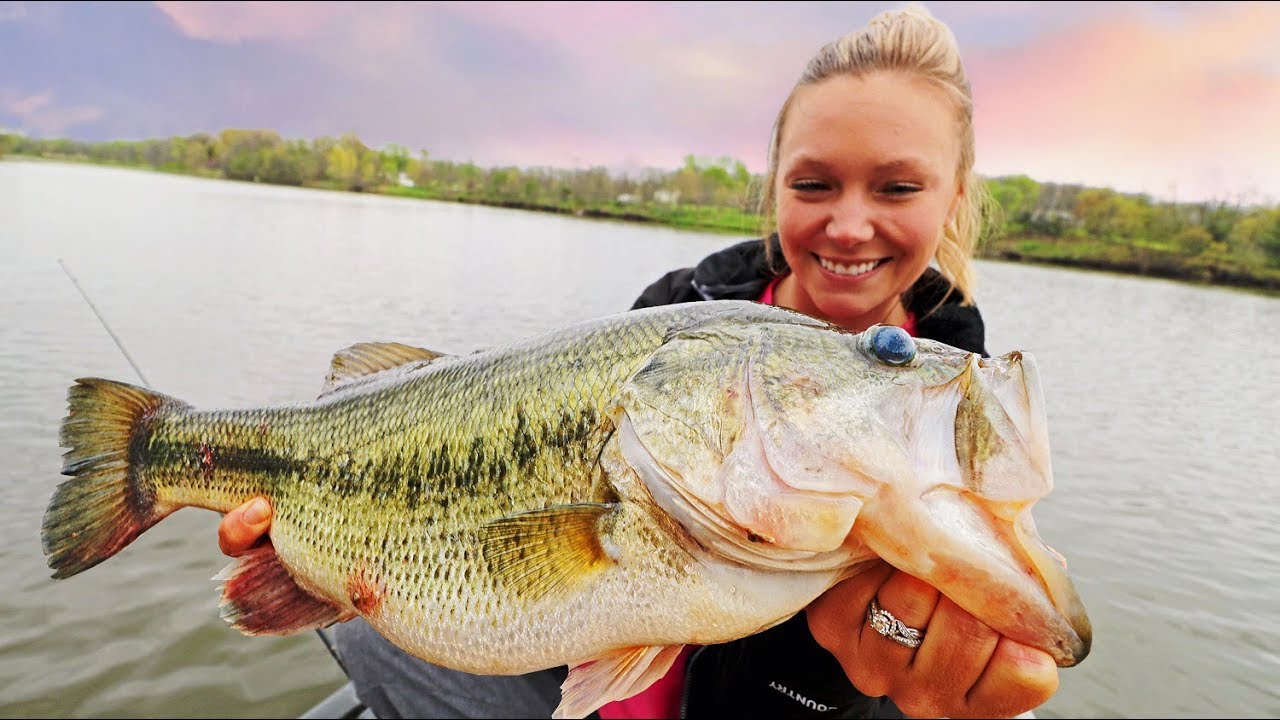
{"x":328,"y":644}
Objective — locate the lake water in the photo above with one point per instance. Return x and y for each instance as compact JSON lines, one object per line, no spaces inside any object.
{"x":1163,"y":399}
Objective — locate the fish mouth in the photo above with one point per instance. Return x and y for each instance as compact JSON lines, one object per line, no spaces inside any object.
{"x":973,"y":537}
{"x":997,"y":570}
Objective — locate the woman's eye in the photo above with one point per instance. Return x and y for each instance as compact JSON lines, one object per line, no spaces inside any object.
{"x":809,"y":186}
{"x":901,"y":189}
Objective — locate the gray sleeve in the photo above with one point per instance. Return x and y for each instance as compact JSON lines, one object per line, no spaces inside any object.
{"x":394,"y":684}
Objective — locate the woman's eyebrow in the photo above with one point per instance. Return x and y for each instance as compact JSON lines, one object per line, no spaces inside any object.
{"x":809,"y":163}
{"x":904,"y":164}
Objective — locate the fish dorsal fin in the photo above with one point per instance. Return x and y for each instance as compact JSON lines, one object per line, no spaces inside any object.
{"x":547,"y":551}
{"x":616,"y":676}
{"x":364,"y":359}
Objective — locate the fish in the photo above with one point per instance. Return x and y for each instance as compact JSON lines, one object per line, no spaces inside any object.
{"x":599,"y":495}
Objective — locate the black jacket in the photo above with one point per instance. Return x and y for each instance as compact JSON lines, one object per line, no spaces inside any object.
{"x":783,"y":672}
{"x":740,"y":272}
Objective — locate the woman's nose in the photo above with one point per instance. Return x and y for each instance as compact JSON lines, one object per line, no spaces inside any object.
{"x":851,"y":220}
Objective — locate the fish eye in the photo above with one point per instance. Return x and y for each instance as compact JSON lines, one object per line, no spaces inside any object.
{"x":892,"y":345}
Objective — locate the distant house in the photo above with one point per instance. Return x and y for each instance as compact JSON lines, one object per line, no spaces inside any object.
{"x":1061,"y":216}
{"x":405,"y":180}
{"x":627,"y":198}
{"x":670,"y":197}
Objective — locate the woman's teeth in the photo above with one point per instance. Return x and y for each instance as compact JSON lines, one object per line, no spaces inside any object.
{"x":857,"y":269}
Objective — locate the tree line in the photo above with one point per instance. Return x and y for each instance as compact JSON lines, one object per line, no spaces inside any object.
{"x":1040,"y":221}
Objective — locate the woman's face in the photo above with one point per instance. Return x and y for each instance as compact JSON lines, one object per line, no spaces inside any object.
{"x":866,"y":180}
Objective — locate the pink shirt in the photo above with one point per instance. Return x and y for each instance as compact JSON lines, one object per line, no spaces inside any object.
{"x":662,"y":698}
{"x":766,"y":297}
{"x":659,"y":700}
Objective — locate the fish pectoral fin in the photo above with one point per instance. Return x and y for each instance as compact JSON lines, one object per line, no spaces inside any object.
{"x":616,"y":676}
{"x":547,"y":551}
{"x":364,"y":359}
{"x":260,"y":597}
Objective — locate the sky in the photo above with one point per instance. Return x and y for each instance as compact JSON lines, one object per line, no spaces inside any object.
{"x":1177,"y":100}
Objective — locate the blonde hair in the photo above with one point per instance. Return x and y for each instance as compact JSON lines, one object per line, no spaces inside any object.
{"x":908,"y":40}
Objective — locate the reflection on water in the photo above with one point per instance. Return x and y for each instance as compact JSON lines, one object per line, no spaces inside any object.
{"x":1161,"y":400}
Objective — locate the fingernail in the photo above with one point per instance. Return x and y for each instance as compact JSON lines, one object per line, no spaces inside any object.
{"x":257,"y":511}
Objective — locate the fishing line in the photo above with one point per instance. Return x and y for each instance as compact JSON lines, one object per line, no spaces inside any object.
{"x":103,"y":320}
{"x":328,"y":644}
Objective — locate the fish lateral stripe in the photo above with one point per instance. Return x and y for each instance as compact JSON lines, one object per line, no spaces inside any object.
{"x":206,"y":458}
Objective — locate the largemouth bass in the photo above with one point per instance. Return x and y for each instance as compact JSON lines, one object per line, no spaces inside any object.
{"x":597,"y":496}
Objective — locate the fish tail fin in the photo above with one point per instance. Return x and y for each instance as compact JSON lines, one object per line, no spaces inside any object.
{"x":105,"y":504}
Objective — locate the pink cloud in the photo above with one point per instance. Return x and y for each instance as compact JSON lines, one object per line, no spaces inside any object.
{"x":39,"y":113}
{"x":234,"y":22}
{"x":572,"y":25}
{"x":1138,"y":103}
{"x":23,"y":106}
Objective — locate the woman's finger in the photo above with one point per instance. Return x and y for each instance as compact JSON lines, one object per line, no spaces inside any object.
{"x":1017,"y":679}
{"x":955,"y":653}
{"x":241,"y":528}
{"x":884,"y":663}
{"x":836,"y":618}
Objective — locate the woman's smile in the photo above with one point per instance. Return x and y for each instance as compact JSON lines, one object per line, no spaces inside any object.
{"x":850,"y":269}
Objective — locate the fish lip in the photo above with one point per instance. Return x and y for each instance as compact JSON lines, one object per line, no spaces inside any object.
{"x":1051,"y":571}
{"x":1049,"y":564}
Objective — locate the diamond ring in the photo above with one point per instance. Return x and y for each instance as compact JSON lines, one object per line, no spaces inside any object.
{"x":883,"y":622}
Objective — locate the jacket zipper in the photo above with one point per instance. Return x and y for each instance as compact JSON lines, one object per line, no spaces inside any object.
{"x":688,"y":681}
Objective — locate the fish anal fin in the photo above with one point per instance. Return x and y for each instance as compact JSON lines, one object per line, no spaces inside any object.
{"x":548,"y":551}
{"x":616,"y":676}
{"x":260,"y":597}
{"x":364,"y":359}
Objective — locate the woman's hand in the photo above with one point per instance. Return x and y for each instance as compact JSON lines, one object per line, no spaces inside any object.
{"x":962,"y":668}
{"x":241,"y":528}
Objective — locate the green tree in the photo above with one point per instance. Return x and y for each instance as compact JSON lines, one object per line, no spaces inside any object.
{"x":342,"y":164}
{"x":244,"y":154}
{"x":394,"y":160}
{"x":353,"y":165}
{"x":423,"y":175}
{"x":1192,"y":240}
{"x":1255,"y":239}
{"x":1018,"y":197}
{"x":1109,"y":215}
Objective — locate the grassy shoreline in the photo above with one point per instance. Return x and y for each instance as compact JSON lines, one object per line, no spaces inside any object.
{"x":1078,"y":253}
